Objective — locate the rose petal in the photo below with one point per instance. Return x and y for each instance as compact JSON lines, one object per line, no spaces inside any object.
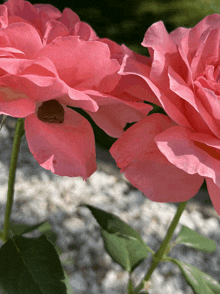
{"x":53,"y":30}
{"x":67,"y":149}
{"x":3,"y":17}
{"x":23,"y":37}
{"x":209,"y":108}
{"x":82,"y":64}
{"x":114,"y":113}
{"x":157,"y":37}
{"x":126,"y":150}
{"x":172,"y":104}
{"x":83,"y":30}
{"x":145,"y":166}
{"x":192,"y":157}
{"x":194,"y":109}
{"x":203,"y":51}
{"x":214,"y":193}
{"x":15,"y":103}
{"x":40,"y":82}
{"x":69,"y":18}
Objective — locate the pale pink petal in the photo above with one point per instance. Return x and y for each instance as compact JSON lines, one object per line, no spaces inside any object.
{"x":138,"y":140}
{"x":116,"y":50}
{"x":136,"y":87}
{"x":67,"y":149}
{"x":204,"y":53}
{"x":157,"y":37}
{"x":83,"y":30}
{"x":14,"y":66}
{"x":3,"y":17}
{"x":15,"y":103}
{"x":23,"y":37}
{"x":194,"y":109}
{"x":49,"y":10}
{"x":214,"y":194}
{"x":11,"y":52}
{"x":171,"y":103}
{"x":40,"y":82}
{"x":21,"y":8}
{"x":179,"y":86}
{"x":195,"y":33}
{"x":209,"y":107}
{"x":145,"y":166}
{"x":161,"y":181}
{"x":189,"y":155}
{"x":69,"y":18}
{"x":53,"y":30}
{"x":82,"y":64}
{"x":37,"y":14}
{"x":114,"y":113}
{"x":132,"y":68}
{"x":181,"y":37}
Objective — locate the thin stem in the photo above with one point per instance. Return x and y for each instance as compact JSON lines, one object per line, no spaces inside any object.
{"x":19,"y":131}
{"x":159,"y":255}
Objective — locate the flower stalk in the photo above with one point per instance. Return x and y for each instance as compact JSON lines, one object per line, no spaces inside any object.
{"x":19,"y":132}
{"x":163,"y":250}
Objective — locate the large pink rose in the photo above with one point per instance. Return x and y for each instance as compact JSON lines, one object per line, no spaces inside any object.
{"x":168,"y":158}
{"x":49,"y":61}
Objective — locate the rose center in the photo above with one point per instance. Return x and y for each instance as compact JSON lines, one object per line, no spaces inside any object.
{"x":51,"y":111}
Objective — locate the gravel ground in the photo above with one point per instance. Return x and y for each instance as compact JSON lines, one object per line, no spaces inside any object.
{"x":40,"y":195}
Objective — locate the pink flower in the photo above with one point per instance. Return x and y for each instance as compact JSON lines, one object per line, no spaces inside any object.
{"x":51,"y":60}
{"x":47,"y":20}
{"x":168,"y":158}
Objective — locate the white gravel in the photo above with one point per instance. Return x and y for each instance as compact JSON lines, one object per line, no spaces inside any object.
{"x":40,"y":195}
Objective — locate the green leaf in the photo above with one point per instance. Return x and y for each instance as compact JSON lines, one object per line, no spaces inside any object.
{"x":123,"y":243}
{"x":21,"y":229}
{"x":30,"y":266}
{"x":44,"y":227}
{"x":193,"y":239}
{"x":200,"y":282}
{"x":113,"y":224}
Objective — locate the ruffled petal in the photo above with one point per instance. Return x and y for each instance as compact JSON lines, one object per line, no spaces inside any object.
{"x":3,"y":17}
{"x":171,"y":103}
{"x":82,"y":64}
{"x":69,"y":18}
{"x":203,"y":52}
{"x":157,"y":37}
{"x":189,"y":152}
{"x":23,"y":37}
{"x":53,"y":30}
{"x":209,"y":107}
{"x":214,"y":193}
{"x":83,"y":30}
{"x":67,"y":149}
{"x":147,"y":168}
{"x":15,"y":103}
{"x":114,"y":113}
{"x":39,"y":81}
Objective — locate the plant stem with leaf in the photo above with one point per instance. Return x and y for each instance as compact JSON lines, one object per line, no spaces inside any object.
{"x":160,"y":255}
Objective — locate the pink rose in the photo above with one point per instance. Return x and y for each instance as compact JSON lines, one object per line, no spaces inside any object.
{"x":49,"y":61}
{"x":168,"y":158}
{"x":48,"y":20}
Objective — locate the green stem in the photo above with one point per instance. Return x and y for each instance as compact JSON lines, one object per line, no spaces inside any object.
{"x":159,"y":255}
{"x":19,"y":131}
